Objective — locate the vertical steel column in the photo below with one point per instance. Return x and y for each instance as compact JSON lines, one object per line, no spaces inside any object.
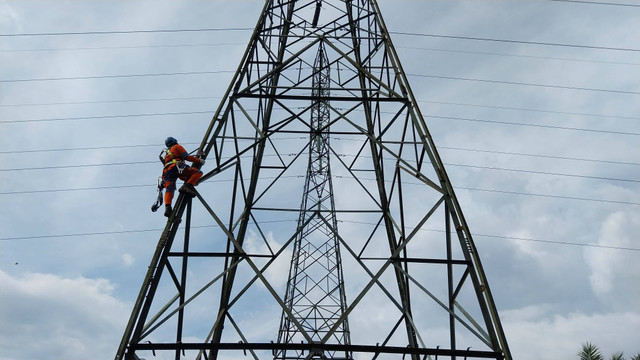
{"x":315,"y":276}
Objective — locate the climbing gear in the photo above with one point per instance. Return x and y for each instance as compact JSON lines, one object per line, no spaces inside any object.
{"x":167,"y":210}
{"x":158,"y":202}
{"x":169,"y":160}
{"x":161,"y":156}
{"x":170,"y":141}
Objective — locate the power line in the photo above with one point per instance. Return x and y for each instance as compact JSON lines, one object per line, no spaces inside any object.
{"x":447,"y":164}
{"x":531,"y":110}
{"x":526,"y":84}
{"x":548,"y":196}
{"x":211,"y":111}
{"x":420,"y":101}
{"x":540,"y":156}
{"x":27,"y":192}
{"x":107,"y":116}
{"x":514,"y":41}
{"x":595,"y":3}
{"x":81,"y":165}
{"x":212,"y":226}
{"x":242,"y":44}
{"x":132,"y":47}
{"x":116,"y":101}
{"x":250,"y":29}
{"x":123,"y":32}
{"x":532,"y":125}
{"x":231,"y":71}
{"x":541,"y":172}
{"x":337,"y":138}
{"x":117,"y":76}
{"x":517,"y":55}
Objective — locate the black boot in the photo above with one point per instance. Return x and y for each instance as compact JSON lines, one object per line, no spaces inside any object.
{"x":167,"y":210}
{"x":188,"y":189}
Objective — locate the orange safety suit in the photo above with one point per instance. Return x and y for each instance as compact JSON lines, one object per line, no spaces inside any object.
{"x":176,"y":168}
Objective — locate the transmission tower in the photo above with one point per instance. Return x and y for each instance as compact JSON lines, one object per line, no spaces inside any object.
{"x":315,"y":292}
{"x":381,"y":262}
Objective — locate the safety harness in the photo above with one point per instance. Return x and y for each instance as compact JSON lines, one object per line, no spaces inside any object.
{"x":180,"y":164}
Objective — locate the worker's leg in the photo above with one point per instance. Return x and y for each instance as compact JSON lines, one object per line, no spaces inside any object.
{"x":169,"y":178}
{"x":169,"y":186}
{"x":192,"y":175}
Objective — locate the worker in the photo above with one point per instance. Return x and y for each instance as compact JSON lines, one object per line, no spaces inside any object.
{"x":176,"y":168}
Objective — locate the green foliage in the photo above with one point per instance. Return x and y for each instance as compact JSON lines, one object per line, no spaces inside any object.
{"x":590,"y":351}
{"x":617,"y":356}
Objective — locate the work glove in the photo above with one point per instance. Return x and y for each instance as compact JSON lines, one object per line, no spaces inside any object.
{"x":201,"y":161}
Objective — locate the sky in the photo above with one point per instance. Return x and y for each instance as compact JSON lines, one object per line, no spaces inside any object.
{"x":534,"y":106}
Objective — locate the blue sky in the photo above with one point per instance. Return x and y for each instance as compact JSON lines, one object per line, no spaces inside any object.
{"x":540,"y":137}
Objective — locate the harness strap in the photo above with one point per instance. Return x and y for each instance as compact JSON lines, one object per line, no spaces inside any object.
{"x":173,"y":160}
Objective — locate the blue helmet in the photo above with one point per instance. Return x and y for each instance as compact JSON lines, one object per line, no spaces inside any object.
{"x":170,"y":141}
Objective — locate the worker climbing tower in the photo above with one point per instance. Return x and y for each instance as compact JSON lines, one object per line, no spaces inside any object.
{"x":325,"y":226}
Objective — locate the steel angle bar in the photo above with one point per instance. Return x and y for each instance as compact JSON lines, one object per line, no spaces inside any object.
{"x":401,"y":246}
{"x":357,"y":179}
{"x":208,"y":339}
{"x":369,"y":75}
{"x":460,"y":283}
{"x":276,"y":71}
{"x":374,"y":349}
{"x":218,"y":170}
{"x":278,"y":177}
{"x":262,"y":235}
{"x":445,"y":307}
{"x":241,"y":334}
{"x":473,"y":321}
{"x":154,"y":272}
{"x":374,"y":280}
{"x":195,"y":295}
{"x":272,"y":291}
{"x":249,"y":118}
{"x":258,"y":275}
{"x":155,"y":317}
{"x":418,"y":175}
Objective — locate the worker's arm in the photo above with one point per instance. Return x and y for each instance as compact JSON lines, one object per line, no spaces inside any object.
{"x":184,"y":155}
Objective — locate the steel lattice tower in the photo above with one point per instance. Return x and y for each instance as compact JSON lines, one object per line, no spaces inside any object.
{"x":315,"y":291}
{"x":319,"y":109}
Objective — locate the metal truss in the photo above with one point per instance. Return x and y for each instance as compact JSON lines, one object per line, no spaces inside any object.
{"x":402,"y":267}
{"x":315,"y":291}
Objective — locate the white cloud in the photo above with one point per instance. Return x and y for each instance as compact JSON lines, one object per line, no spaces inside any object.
{"x":59,"y":318}
{"x":535,"y":333}
{"x":9,"y":17}
{"x":128,"y":260}
{"x":615,"y":275}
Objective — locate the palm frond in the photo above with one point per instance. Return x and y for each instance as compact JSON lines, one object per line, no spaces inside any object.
{"x":590,"y":351}
{"x":617,"y":356}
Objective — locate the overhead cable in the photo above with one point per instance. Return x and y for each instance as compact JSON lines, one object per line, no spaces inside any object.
{"x":420,"y":101}
{"x":525,"y":84}
{"x":117,"y":76}
{"x":595,"y":3}
{"x":514,"y":41}
{"x":93,"y":188}
{"x":447,"y":164}
{"x":603,"y":131}
{"x":116,"y":32}
{"x":213,"y":226}
{"x":336,"y":138}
